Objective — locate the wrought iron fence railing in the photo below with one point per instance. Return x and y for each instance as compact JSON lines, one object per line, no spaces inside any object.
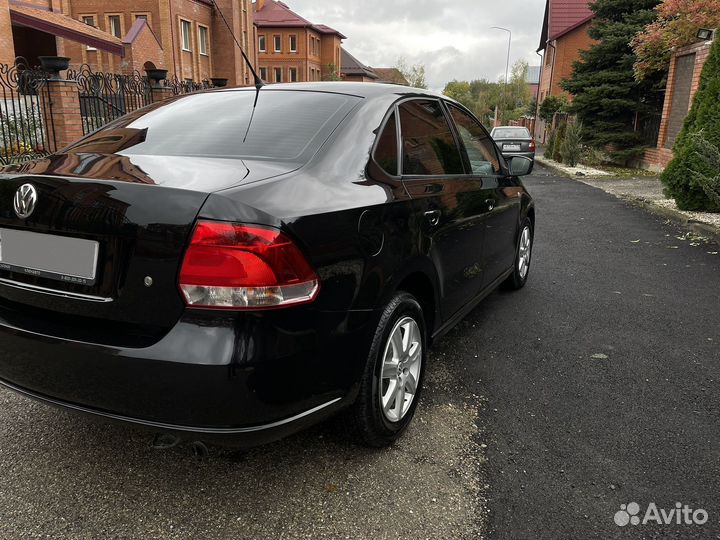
{"x":107,"y":96}
{"x":26,"y":124}
{"x":27,"y":127}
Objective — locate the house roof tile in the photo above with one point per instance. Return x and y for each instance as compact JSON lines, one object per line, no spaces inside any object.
{"x":562,"y":16}
{"x":277,"y":14}
{"x":58,"y":24}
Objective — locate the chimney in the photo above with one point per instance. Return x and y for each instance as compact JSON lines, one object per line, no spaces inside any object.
{"x":259,"y":4}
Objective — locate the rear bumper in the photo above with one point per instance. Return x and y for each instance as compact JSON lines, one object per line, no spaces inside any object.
{"x":251,"y":378}
{"x":529,"y":155}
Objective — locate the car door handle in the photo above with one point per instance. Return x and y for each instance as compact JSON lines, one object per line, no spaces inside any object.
{"x":433,"y":217}
{"x":490,"y":204}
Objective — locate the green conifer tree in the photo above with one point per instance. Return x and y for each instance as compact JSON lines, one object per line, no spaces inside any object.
{"x":606,"y":95}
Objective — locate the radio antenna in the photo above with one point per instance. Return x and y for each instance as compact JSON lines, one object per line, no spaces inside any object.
{"x":259,"y":83}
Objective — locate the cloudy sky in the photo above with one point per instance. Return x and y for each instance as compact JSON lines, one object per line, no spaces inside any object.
{"x":452,"y":38}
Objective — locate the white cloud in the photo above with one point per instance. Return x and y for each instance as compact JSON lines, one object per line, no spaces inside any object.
{"x":454,"y":39}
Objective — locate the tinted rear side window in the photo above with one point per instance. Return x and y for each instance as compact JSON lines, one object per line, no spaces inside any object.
{"x":428,"y":145}
{"x":287,"y":126}
{"x":386,"y":152}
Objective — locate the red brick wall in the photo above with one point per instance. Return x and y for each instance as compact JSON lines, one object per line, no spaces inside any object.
{"x":330,"y":53}
{"x":285,"y":59}
{"x":658,"y":158}
{"x":559,"y":59}
{"x":164,"y":17}
{"x":7,"y":48}
{"x":226,"y":58}
{"x":144,"y":49}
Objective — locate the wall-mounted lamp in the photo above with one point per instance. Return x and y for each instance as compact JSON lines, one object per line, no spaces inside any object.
{"x":706,"y":34}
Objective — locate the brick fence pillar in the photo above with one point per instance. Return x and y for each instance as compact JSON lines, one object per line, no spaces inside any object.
{"x":161,"y":93}
{"x":62,"y":117}
{"x":7,"y":45}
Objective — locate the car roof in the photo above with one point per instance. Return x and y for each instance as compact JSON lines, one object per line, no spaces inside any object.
{"x":365,"y":90}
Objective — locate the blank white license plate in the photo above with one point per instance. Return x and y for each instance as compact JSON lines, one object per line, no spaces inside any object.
{"x":511,"y":147}
{"x":73,"y":260}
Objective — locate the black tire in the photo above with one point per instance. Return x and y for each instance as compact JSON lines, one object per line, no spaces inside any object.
{"x":517,"y":280}
{"x":372,"y":427}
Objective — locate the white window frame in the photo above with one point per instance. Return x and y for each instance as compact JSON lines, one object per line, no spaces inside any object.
{"x":262,"y":43}
{"x":290,"y":40}
{"x":110,"y":18}
{"x":186,"y":36}
{"x":203,"y":45}
{"x":275,"y":75}
{"x":277,"y":43}
{"x":293,"y":71}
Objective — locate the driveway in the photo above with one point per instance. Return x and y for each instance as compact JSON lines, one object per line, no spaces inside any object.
{"x":602,"y":375}
{"x":595,"y":386}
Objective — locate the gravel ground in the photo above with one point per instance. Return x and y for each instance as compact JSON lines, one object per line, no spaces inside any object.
{"x":66,"y":476}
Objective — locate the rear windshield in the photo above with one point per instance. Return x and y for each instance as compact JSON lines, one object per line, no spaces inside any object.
{"x":288,"y":125}
{"x":511,"y":133}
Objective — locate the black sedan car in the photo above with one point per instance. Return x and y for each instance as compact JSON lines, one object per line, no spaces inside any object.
{"x":222,"y":270}
{"x":514,"y":141}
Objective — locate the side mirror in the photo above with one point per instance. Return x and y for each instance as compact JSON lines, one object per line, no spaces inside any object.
{"x":520,"y":166}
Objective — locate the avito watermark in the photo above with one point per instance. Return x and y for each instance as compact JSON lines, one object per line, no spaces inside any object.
{"x":682,"y":514}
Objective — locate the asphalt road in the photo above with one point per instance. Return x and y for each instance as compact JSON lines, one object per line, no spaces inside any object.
{"x":601,"y":375}
{"x":546,"y":409}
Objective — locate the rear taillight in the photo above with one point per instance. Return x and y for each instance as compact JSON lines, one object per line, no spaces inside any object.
{"x":532,"y":145}
{"x":233,"y":266}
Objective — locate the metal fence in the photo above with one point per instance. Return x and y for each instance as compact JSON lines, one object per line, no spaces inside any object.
{"x":27,"y":130}
{"x":26,"y":125}
{"x":648,"y":126}
{"x":107,"y":96}
{"x":185,"y":86}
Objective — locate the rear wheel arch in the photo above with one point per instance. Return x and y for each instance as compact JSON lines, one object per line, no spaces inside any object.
{"x":531,"y":216}
{"x":420,"y":285}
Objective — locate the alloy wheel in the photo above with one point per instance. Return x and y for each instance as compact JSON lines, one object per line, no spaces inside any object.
{"x":402,"y":360}
{"x":524,"y":253}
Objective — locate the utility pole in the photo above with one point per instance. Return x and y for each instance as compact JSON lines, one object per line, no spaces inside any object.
{"x":507,"y":63}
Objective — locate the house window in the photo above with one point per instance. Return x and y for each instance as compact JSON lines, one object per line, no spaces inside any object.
{"x":261,"y":44}
{"x":203,"y":40}
{"x":293,"y":43}
{"x":293,"y":74}
{"x":278,"y":75}
{"x":114,"y":26}
{"x":278,"y":43}
{"x":142,"y":16}
{"x":185,"y":34}
{"x":263,"y":73}
{"x":90,"y":21}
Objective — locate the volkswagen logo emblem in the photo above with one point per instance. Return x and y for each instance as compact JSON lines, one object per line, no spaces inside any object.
{"x":25,"y":200}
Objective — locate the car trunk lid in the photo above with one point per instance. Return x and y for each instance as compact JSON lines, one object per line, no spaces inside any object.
{"x":137,"y":213}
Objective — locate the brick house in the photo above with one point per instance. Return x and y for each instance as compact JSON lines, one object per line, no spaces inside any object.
{"x":686,"y":66}
{"x":186,"y":37}
{"x":291,"y":48}
{"x":564,"y":35}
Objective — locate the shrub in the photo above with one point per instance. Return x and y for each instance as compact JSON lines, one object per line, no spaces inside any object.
{"x":706,"y":169}
{"x":550,"y":145}
{"x":552,"y":105}
{"x":559,"y":139}
{"x":571,"y":148}
{"x":681,"y":176}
